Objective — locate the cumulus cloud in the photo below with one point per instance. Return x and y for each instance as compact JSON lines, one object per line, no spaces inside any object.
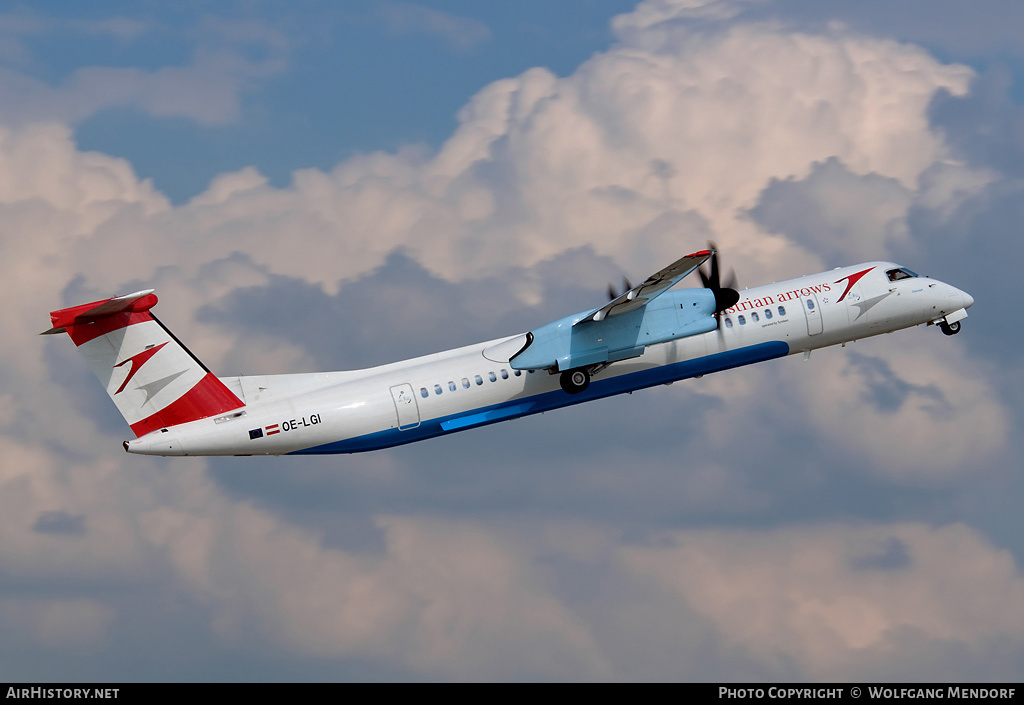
{"x":641,"y":155}
{"x":946,"y":25}
{"x":824,"y":599}
{"x":499,"y":597}
{"x":440,"y":598}
{"x":902,"y":412}
{"x":208,"y":89}
{"x":56,"y":623}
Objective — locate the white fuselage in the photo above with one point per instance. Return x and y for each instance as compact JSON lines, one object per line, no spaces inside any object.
{"x":347,"y":412}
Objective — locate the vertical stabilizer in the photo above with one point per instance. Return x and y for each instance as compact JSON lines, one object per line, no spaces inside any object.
{"x":154,"y":380}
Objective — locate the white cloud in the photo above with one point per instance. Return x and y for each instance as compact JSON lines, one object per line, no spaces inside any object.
{"x":611,"y":156}
{"x":489,"y":599}
{"x":57,"y":624}
{"x":904,"y":412}
{"x":835,"y":599}
{"x":614,"y":156}
{"x":27,"y":24}
{"x":458,"y":32}
{"x":207,"y":89}
{"x":441,"y":599}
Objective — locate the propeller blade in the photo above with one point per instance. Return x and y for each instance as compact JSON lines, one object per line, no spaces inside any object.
{"x":725,"y":296}
{"x":613,"y":292}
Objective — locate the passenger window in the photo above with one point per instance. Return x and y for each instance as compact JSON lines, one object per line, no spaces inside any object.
{"x":754,"y":317}
{"x":465,"y":382}
{"x":768,"y":314}
{"x":728,"y":323}
{"x":782,"y":310}
{"x":451,"y":386}
{"x":491,"y":376}
{"x":479,"y":379}
{"x":424,"y":393}
{"x":517,"y":373}
{"x":810,"y":305}
{"x":743,"y":321}
{"x":437,"y":389}
{"x":504,"y":373}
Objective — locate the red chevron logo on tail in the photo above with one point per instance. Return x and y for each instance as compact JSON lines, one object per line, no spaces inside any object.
{"x":137,"y":360}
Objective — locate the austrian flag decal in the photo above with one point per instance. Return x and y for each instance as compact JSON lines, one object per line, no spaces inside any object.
{"x":267,"y":430}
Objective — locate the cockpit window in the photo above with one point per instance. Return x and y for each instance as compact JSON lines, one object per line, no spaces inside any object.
{"x":902,"y":273}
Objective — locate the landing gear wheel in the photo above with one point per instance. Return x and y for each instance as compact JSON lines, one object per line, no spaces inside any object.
{"x":950,"y":328}
{"x":574,"y":381}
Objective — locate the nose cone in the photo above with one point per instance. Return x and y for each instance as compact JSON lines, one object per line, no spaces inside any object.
{"x":968,"y":300}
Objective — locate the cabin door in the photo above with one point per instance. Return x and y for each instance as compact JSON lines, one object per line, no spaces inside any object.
{"x":813,"y":313}
{"x":405,"y":406}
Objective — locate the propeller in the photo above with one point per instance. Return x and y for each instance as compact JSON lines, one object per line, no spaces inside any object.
{"x":726,"y":295}
{"x":613,"y":294}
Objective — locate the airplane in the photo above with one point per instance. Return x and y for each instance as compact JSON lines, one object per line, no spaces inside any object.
{"x":649,"y":335}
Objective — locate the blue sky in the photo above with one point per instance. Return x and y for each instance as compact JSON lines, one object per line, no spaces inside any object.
{"x":329,"y":186}
{"x":328,"y":80}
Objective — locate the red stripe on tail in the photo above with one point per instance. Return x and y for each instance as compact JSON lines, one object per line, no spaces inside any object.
{"x":208,"y":398}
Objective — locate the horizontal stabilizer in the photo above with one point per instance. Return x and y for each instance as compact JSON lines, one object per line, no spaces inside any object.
{"x":89,"y":313}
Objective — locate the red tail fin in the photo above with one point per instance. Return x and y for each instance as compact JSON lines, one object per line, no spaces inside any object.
{"x":154,"y":380}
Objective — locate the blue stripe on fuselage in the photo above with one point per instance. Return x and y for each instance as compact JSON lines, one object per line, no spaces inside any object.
{"x":524,"y":406}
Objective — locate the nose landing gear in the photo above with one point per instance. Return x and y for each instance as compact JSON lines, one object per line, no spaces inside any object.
{"x":950,"y":328}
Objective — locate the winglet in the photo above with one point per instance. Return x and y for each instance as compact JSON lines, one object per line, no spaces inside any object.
{"x":88,"y":313}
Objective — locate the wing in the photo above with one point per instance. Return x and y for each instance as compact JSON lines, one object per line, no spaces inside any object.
{"x":654,"y":286}
{"x":620,"y":330}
